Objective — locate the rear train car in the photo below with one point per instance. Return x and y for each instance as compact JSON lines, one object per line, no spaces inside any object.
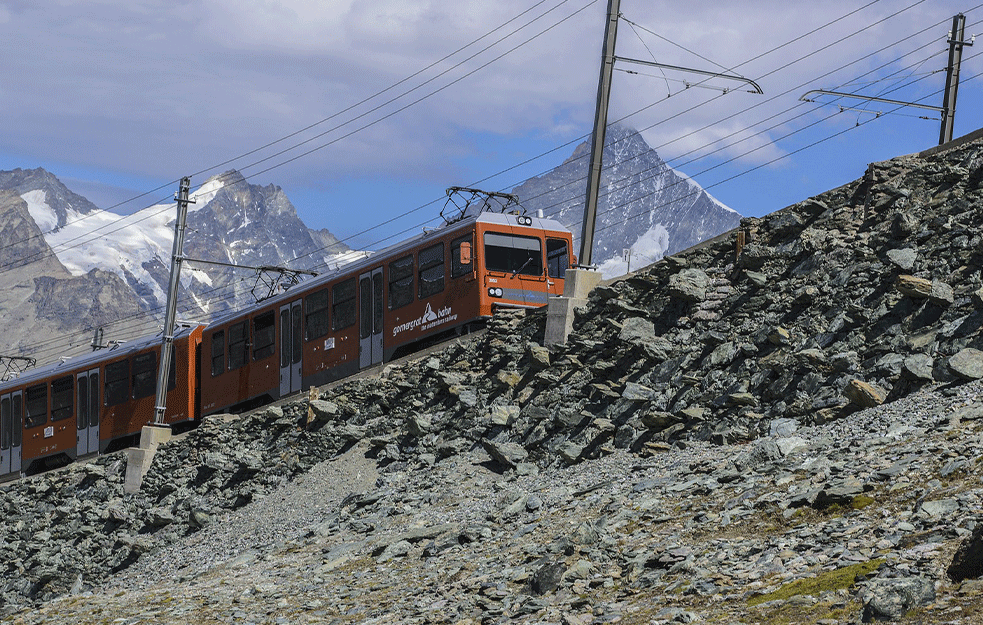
{"x":94,"y":402}
{"x":368,"y":312}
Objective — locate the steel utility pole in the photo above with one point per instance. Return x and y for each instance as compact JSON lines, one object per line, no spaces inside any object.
{"x":956,"y":43}
{"x":600,"y":128}
{"x":167,"y":345}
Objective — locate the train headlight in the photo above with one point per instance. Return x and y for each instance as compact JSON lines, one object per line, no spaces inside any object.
{"x":496,"y":292}
{"x":524,"y":221}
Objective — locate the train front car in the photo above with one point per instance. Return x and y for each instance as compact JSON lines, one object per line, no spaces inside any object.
{"x":522,"y":260}
{"x":83,"y":405}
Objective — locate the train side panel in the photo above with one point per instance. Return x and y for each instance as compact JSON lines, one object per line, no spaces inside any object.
{"x":129,"y":404}
{"x":78,"y":407}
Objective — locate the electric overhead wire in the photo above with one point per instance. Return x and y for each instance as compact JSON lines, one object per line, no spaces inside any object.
{"x":393,"y":219}
{"x":465,"y":76}
{"x":641,"y":214}
{"x":434,"y":64}
{"x":778,"y":158}
{"x":322,"y":121}
{"x":581,"y":179}
{"x":817,"y":29}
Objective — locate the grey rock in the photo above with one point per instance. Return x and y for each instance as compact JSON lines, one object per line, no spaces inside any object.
{"x":967,"y":364}
{"x":547,"y":577}
{"x":967,"y":562}
{"x":892,"y":598}
{"x":919,"y":367}
{"x":509,"y":454}
{"x":903,"y":258}
{"x":689,"y":285}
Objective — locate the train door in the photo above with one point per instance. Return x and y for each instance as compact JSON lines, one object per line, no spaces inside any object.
{"x":291,"y":348}
{"x":370,"y":309}
{"x":11,"y":430}
{"x":87,"y":417}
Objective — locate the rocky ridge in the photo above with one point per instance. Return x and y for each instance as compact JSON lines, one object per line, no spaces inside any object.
{"x":788,"y":434}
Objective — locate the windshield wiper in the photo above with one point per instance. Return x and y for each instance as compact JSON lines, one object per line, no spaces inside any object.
{"x":524,"y":265}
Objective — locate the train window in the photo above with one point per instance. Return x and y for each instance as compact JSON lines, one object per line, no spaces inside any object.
{"x":377,"y":302}
{"x":365,"y":311}
{"x":343,"y":309}
{"x":218,"y":352}
{"x":401,"y":282}
{"x":238,"y":345}
{"x":15,"y":417}
{"x":117,"y":388}
{"x":264,"y":335}
{"x":82,"y":418}
{"x":5,"y":423}
{"x":316,"y":306}
{"x":94,"y":398}
{"x":431,"y":270}
{"x":513,"y":254}
{"x":295,"y":319}
{"x":62,"y":397}
{"x":557,"y":258}
{"x":285,"y":343}
{"x":461,"y":257}
{"x":145,"y":375}
{"x":37,"y":406}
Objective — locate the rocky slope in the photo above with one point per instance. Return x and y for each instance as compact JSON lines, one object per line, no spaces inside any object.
{"x":785,"y":435}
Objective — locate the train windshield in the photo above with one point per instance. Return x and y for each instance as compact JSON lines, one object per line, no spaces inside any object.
{"x":513,"y":254}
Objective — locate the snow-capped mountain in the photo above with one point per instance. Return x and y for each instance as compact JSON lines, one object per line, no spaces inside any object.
{"x":644,"y":204}
{"x":229,"y":221}
{"x":85,"y":251}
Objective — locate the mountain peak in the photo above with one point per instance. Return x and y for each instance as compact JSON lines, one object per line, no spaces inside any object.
{"x":644,"y":206}
{"x":51,"y":203}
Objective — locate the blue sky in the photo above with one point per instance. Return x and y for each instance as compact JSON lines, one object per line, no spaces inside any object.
{"x":120,"y":98}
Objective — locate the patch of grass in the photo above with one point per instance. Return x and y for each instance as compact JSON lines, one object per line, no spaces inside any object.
{"x":808,"y":614}
{"x":837,"y":579}
{"x":862,"y":501}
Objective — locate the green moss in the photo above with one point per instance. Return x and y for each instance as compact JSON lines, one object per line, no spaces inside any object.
{"x":839,"y":613}
{"x":861,"y":501}
{"x":837,"y":579}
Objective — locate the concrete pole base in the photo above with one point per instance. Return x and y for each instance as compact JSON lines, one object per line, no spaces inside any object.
{"x":138,"y":460}
{"x":577,"y":285}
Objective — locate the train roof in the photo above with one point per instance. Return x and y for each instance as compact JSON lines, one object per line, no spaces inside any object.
{"x":85,"y":361}
{"x":355,"y":267}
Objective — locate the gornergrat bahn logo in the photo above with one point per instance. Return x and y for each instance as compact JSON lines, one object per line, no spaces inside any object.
{"x":428,"y":320}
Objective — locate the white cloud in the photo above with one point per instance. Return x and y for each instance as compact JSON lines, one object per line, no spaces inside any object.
{"x":162,"y":88}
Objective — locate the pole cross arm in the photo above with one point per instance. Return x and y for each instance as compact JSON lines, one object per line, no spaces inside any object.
{"x":805,"y":98}
{"x":757,"y":88}
{"x":260,"y":268}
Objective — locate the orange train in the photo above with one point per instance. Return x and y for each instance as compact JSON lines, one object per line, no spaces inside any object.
{"x":438,"y":283}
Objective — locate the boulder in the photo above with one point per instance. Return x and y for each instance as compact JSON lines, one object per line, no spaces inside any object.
{"x":967,"y":364}
{"x":967,"y":563}
{"x":892,"y":598}
{"x":863,"y":394}
{"x":689,"y":285}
